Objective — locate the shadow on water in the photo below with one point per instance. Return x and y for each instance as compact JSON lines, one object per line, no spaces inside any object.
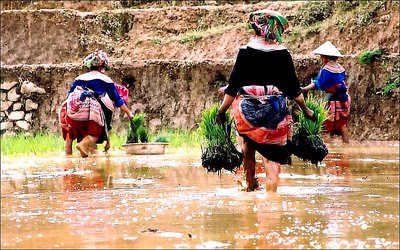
{"x":349,"y":201}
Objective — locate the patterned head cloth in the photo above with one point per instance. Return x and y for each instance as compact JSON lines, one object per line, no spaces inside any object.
{"x":97,"y":58}
{"x":269,"y":24}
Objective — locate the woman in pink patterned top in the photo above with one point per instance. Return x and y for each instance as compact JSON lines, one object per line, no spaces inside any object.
{"x":87,"y":113}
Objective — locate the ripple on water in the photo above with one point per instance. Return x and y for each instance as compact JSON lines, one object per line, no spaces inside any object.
{"x":170,"y":235}
{"x":137,"y":182}
{"x":309,"y":177}
{"x":296,"y":190}
{"x":375,"y":160}
{"x":212,"y":245}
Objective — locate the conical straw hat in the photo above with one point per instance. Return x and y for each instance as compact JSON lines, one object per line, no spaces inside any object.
{"x":327,"y":49}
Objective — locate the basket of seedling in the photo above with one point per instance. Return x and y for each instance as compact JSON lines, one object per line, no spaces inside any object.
{"x":307,"y":141}
{"x":218,"y":150}
{"x":137,"y":141}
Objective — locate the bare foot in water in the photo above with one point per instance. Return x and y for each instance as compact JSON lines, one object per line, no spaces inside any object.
{"x":248,"y":187}
{"x":253,"y":186}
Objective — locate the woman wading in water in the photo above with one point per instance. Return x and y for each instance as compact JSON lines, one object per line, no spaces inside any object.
{"x":331,"y":79}
{"x":87,"y":113}
{"x":260,"y":111}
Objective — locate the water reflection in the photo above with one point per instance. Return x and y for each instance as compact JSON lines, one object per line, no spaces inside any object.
{"x":349,"y":201}
{"x":337,"y":164}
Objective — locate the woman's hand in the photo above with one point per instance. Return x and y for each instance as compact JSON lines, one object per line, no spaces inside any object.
{"x":309,"y":114}
{"x":220,"y":119}
{"x":221,"y":91}
{"x":302,"y":104}
{"x":307,"y":88}
{"x":125,"y":109}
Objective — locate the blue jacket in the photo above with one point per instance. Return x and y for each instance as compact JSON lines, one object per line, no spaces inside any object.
{"x":99,"y":84}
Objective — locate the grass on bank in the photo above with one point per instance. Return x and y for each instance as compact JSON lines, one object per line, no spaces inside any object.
{"x":41,"y":144}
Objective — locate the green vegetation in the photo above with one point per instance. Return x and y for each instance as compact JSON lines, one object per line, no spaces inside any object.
{"x":157,"y":41}
{"x":166,"y":3}
{"x":193,"y":35}
{"x":136,"y":130}
{"x":367,"y":11}
{"x":212,"y":132}
{"x":43,"y":144}
{"x":161,"y":138}
{"x":176,"y":138}
{"x":346,"y":6}
{"x":307,"y":142}
{"x":315,"y":16}
{"x":181,"y":137}
{"x":158,"y":3}
{"x":219,"y":151}
{"x":391,"y":85}
{"x":190,"y":38}
{"x":197,"y":34}
{"x":320,"y":113}
{"x":368,"y":57}
{"x":313,"y":12}
{"x":116,"y":26}
{"x":28,"y":144}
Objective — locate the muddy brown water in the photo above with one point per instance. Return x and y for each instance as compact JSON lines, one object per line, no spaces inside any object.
{"x":169,"y":201}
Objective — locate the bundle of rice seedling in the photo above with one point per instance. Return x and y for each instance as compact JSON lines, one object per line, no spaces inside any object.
{"x":307,"y":142}
{"x":136,"y":130}
{"x":219,"y":151}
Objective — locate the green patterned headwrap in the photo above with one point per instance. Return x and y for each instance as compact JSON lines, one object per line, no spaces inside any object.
{"x":97,"y":58}
{"x":268,"y":24}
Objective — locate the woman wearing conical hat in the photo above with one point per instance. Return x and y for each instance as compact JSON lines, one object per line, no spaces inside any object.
{"x":331,"y":79}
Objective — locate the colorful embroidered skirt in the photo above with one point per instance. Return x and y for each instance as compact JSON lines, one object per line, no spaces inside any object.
{"x":338,"y":115}
{"x":263,"y":119}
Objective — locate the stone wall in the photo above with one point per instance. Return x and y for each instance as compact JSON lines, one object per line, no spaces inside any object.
{"x":19,"y":105}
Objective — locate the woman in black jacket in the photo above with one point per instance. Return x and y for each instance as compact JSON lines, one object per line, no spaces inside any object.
{"x":264,"y":61}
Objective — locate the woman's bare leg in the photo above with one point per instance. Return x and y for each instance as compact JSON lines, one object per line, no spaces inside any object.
{"x":249,"y":164}
{"x":93,"y":147}
{"x":68,"y":145}
{"x":272,"y":170}
{"x":345,"y":134}
{"x":93,"y":138}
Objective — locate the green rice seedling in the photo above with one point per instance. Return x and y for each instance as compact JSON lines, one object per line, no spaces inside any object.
{"x":135,"y":124}
{"x":138,"y":120}
{"x":161,"y":138}
{"x":143,"y":134}
{"x":38,"y":144}
{"x":307,"y":142}
{"x":116,"y":140}
{"x":44,"y":144}
{"x":320,"y":113}
{"x":219,"y":151}
{"x":182,"y":138}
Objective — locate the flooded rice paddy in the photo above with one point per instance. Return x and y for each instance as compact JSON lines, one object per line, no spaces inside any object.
{"x":169,"y":201}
